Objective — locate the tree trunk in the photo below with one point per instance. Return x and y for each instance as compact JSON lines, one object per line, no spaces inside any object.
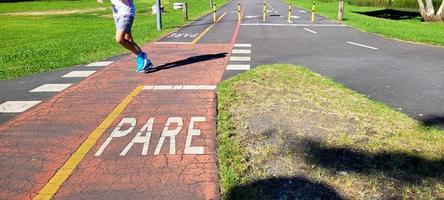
{"x":427,"y":11}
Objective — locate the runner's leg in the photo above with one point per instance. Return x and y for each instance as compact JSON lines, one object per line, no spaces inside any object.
{"x":129,"y":37}
{"x":120,"y":38}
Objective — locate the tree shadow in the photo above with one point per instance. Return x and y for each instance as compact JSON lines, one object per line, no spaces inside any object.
{"x":392,"y":14}
{"x":397,"y":166}
{"x":433,"y":120}
{"x":283,"y":188}
{"x":188,"y":61}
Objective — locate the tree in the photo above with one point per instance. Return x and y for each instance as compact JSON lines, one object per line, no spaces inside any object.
{"x":428,"y":11}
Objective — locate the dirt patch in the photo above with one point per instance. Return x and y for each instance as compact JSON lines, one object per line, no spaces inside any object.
{"x":55,"y":12}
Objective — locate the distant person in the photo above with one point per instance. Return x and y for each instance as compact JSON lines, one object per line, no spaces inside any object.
{"x":123,"y":13}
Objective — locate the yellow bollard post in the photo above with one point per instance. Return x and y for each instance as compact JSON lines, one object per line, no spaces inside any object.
{"x":289,"y":13}
{"x":214,"y":12}
{"x":239,"y":11}
{"x":313,"y":8}
{"x":265,"y":11}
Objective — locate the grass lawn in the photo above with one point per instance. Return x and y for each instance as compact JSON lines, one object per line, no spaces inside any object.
{"x":411,"y":29}
{"x":32,"y":44}
{"x":285,"y":132}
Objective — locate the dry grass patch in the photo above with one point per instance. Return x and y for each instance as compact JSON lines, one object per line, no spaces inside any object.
{"x":288,"y":133}
{"x":55,"y":12}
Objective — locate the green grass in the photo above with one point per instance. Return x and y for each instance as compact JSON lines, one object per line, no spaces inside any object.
{"x":409,"y":30}
{"x":32,"y":44}
{"x":286,"y":132}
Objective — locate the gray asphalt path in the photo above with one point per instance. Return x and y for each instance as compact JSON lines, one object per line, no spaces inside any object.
{"x":405,"y":76}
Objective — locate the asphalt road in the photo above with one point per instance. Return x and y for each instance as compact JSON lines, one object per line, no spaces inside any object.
{"x":405,"y":76}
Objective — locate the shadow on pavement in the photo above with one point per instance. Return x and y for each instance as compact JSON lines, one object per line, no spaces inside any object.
{"x":392,"y":14}
{"x":433,"y":120}
{"x":188,"y":61}
{"x":398,"y":166}
{"x":283,"y":188}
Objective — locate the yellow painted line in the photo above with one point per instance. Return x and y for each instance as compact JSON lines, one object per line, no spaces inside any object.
{"x":207,"y":29}
{"x":51,"y":187}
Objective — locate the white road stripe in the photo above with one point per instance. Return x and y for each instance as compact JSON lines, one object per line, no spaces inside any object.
{"x":311,"y":31}
{"x":99,"y":64}
{"x":51,"y":88}
{"x":238,"y":67}
{"x":179,"y":87}
{"x":295,"y":17}
{"x":236,"y":58}
{"x":17,"y":106}
{"x":361,"y":45}
{"x":302,"y":25}
{"x":242,"y":45}
{"x":241,"y":51}
{"x":276,"y":12}
{"x":302,"y":11}
{"x":172,"y":42}
{"x":78,"y":74}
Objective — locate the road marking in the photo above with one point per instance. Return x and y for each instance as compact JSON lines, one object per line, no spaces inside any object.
{"x":184,"y":35}
{"x":51,"y":88}
{"x":251,"y":16}
{"x":235,"y":58}
{"x":207,"y":29}
{"x":241,"y":51}
{"x":361,"y":45}
{"x":268,"y":11}
{"x":295,"y":17}
{"x":302,"y":11}
{"x":276,"y":12}
{"x":127,"y":124}
{"x":78,"y":74}
{"x":172,"y":42}
{"x":311,"y":31}
{"x":99,"y":64}
{"x":242,"y":45}
{"x":238,"y":67}
{"x":179,"y":87}
{"x":62,"y":174}
{"x":303,"y":25}
{"x":17,"y":106}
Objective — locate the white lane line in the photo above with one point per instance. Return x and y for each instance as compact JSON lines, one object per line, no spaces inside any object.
{"x":276,"y":12}
{"x":17,"y":106}
{"x":251,"y":16}
{"x":242,"y":45}
{"x":361,"y":45}
{"x":295,"y":17}
{"x":241,"y":51}
{"x":99,"y":64}
{"x":238,"y":67}
{"x":311,"y":31}
{"x":51,"y":88}
{"x":302,"y":11}
{"x":172,"y":42}
{"x":236,"y":58}
{"x":179,"y":87}
{"x":302,"y":25}
{"x":78,"y":74}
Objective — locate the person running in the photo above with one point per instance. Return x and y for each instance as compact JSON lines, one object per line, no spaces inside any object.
{"x":123,"y":13}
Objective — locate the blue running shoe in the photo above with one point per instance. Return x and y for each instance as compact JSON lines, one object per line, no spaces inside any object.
{"x":141,"y":61}
{"x":148,"y":65}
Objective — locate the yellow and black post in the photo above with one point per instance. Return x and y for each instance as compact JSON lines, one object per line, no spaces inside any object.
{"x":313,"y":9}
{"x":239,"y":11}
{"x":265,"y":11}
{"x":214,"y":12}
{"x":289,"y":13}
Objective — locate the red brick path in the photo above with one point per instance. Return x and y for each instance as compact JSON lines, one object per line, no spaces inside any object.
{"x":37,"y":143}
